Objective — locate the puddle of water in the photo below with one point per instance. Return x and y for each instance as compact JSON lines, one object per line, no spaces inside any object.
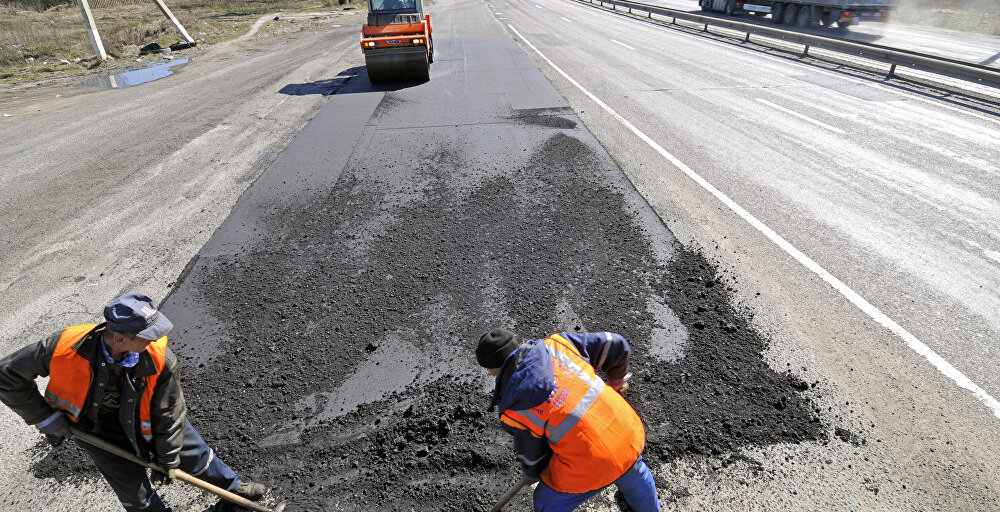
{"x":136,"y":77}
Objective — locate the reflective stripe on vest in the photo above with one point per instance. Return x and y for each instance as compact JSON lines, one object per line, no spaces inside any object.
{"x":71,"y":375}
{"x":157,"y":351}
{"x":594,"y":434}
{"x":562,"y":352}
{"x":594,"y":387}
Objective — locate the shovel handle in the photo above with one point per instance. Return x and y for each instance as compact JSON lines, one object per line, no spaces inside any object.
{"x":99,"y":443}
{"x":511,"y":493}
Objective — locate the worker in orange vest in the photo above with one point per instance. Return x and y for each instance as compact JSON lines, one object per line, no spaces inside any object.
{"x":118,"y":380}
{"x":572,"y":429}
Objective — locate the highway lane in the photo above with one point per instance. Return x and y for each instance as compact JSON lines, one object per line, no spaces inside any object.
{"x":892,"y":194}
{"x":969,"y":46}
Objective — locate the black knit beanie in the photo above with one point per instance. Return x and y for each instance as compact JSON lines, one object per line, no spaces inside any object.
{"x":494,"y":347}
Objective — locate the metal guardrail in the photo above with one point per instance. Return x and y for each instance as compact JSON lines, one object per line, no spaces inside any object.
{"x":979,"y":74}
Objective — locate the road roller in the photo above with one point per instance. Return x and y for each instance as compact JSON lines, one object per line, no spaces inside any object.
{"x":397,"y":41}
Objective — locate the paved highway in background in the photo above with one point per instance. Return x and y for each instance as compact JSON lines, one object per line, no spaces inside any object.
{"x":968,"y":46}
{"x":893,"y":194}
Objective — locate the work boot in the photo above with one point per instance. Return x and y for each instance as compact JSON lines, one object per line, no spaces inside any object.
{"x":225,"y":506}
{"x":251,"y":491}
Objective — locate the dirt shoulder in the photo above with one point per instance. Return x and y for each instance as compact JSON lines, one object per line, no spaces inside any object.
{"x":52,"y":45}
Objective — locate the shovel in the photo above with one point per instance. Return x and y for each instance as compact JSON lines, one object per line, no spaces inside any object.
{"x":97,"y":442}
{"x":511,"y":493}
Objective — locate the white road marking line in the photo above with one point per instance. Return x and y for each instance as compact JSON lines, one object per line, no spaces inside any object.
{"x":803,"y":117}
{"x":907,"y":95}
{"x":853,"y":297}
{"x":567,"y":19}
{"x":621,"y":43}
{"x":993,"y":255}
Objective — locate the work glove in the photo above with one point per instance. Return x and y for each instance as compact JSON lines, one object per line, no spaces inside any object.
{"x":620,"y":385}
{"x":160,"y":479}
{"x":55,"y":428}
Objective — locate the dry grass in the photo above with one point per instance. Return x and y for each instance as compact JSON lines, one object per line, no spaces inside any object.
{"x":38,"y":38}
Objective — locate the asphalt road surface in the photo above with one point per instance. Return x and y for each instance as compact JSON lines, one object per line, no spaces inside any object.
{"x":326,"y":326}
{"x":969,"y":46}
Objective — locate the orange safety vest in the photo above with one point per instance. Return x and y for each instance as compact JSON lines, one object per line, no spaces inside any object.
{"x":70,"y":376}
{"x":595,"y":435}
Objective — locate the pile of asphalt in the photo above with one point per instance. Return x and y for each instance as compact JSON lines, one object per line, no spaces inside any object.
{"x":336,"y":278}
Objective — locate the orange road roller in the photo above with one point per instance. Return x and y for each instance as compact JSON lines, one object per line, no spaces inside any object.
{"x":397,"y":41}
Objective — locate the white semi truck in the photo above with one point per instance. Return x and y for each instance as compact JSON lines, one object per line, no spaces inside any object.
{"x":805,"y":13}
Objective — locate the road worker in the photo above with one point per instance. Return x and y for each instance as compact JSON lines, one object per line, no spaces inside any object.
{"x":572,"y":429}
{"x":118,"y":380}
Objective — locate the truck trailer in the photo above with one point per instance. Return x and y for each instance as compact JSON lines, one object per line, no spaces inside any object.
{"x":805,"y":13}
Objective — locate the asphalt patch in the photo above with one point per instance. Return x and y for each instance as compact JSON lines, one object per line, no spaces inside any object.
{"x":550,"y":121}
{"x":431,"y":263}
{"x":67,"y":463}
{"x":392,"y":274}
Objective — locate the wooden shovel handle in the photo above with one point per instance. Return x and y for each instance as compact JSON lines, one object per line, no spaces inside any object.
{"x":511,"y":493}
{"x":99,"y":443}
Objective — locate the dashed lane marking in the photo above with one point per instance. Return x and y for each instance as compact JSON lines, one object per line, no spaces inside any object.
{"x":803,"y":117}
{"x":938,"y":362}
{"x":621,"y":43}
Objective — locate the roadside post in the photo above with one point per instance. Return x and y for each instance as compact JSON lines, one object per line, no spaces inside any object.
{"x":95,"y":37}
{"x":87,"y":13}
{"x":173,"y":19}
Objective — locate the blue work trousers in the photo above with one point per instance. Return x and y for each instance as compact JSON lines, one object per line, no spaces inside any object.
{"x":637,"y":487}
{"x":131,"y":484}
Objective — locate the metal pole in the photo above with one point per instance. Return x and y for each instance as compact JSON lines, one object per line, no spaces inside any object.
{"x":805,"y":51}
{"x":892,"y":71}
{"x":95,"y":37}
{"x":747,"y":38}
{"x":180,"y":28}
